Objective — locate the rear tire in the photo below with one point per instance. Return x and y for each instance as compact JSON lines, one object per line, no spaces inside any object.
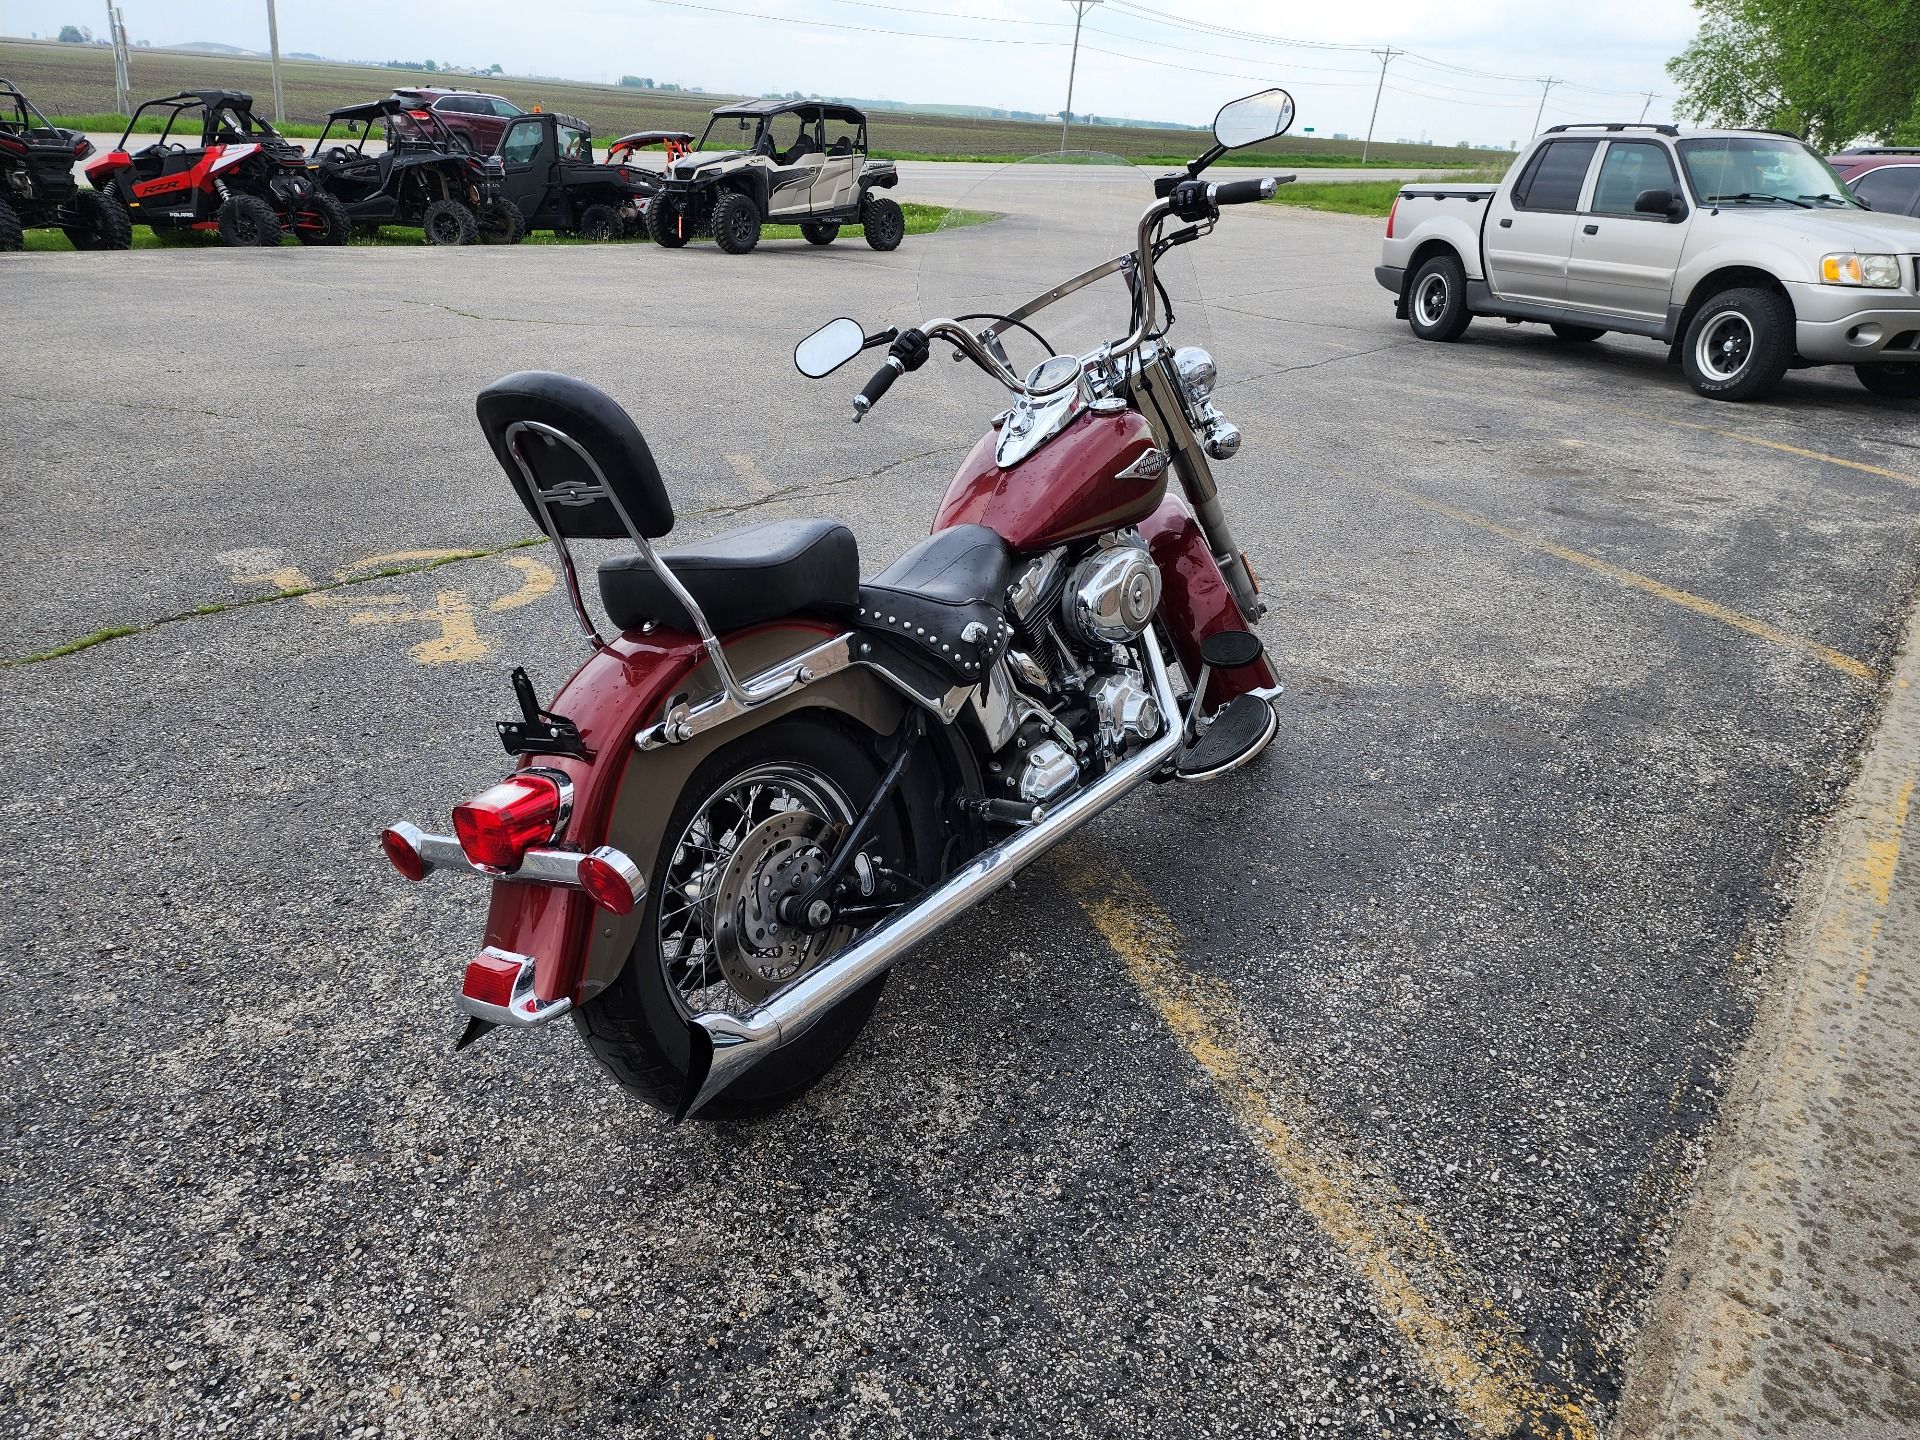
{"x":599,"y":223}
{"x":1739,"y":344}
{"x":1576,"y":334}
{"x":819,"y":234}
{"x":1896,"y":382}
{"x":104,"y":223}
{"x":13,"y":235}
{"x":664,"y":225}
{"x":449,"y":222}
{"x":325,"y":222}
{"x":1437,"y":300}
{"x":499,"y":222}
{"x":882,"y":222}
{"x":247,"y":220}
{"x":736,"y":224}
{"x":637,"y":1027}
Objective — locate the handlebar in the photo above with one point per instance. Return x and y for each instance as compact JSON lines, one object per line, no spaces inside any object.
{"x":1242,"y":192}
{"x":881,"y":382}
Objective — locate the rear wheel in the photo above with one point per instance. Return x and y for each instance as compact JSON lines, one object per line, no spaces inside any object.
{"x":13,"y":235}
{"x":1576,"y":334}
{"x":1437,"y":299}
{"x":818,"y":234}
{"x":753,"y":824}
{"x":104,"y":223}
{"x":600,"y":222}
{"x":665,"y":224}
{"x":449,"y":222}
{"x":324,"y":222}
{"x":882,"y":223}
{"x":1896,"y":382}
{"x":500,"y":222}
{"x":736,"y":224}
{"x":1739,"y":344}
{"x":249,"y":220}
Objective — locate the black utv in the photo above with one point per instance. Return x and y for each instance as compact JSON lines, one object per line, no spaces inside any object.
{"x":551,"y":178}
{"x":37,"y":188}
{"x":426,"y":176}
{"x":782,"y":161}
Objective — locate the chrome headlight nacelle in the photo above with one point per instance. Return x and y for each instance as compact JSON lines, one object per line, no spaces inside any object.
{"x":1197,"y":373}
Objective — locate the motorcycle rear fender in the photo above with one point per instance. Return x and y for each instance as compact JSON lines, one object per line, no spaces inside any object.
{"x":1195,"y":601}
{"x":624,"y":797}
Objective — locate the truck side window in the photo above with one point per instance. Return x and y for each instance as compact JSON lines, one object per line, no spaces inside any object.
{"x":1553,"y":180}
{"x":1891,"y":190}
{"x":1630,"y":167}
{"x":521,"y":144}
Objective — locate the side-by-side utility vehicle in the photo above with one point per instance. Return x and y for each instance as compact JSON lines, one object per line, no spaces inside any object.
{"x":37,"y":189}
{"x":425,"y":175}
{"x":1740,"y":249}
{"x":551,"y":179}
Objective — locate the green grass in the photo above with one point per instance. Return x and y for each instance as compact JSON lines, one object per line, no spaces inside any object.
{"x":1365,"y":197}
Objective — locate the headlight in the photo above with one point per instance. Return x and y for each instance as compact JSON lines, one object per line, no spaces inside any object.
{"x":1195,"y":368}
{"x":1881,"y":272}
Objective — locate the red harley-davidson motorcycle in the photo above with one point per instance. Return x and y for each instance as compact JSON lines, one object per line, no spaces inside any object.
{"x":777,"y":778}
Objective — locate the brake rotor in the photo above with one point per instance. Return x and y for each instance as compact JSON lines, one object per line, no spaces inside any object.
{"x":757,"y":950}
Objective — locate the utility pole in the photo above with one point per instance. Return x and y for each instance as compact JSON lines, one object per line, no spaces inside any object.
{"x":1080,"y":8}
{"x":273,"y":43}
{"x":1546,"y":88}
{"x":1651,"y":95}
{"x":1386,"y":57}
{"x":122,"y":81}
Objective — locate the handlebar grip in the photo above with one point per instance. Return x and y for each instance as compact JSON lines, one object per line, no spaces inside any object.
{"x":881,"y":382}
{"x":1241,"y":192}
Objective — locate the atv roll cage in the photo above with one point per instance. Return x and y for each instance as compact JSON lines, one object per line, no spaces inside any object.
{"x":425,"y":130}
{"x":226,"y":117}
{"x":18,"y":115}
{"x":812,"y":114}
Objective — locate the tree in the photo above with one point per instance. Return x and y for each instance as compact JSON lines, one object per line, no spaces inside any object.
{"x":1833,"y":74}
{"x":74,"y":35}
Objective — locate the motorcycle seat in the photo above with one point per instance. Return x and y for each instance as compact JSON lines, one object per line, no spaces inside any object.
{"x":740,"y":577}
{"x":937,"y":607}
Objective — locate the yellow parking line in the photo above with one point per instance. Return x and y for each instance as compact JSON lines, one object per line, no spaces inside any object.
{"x":1779,"y":445}
{"x":1699,"y":604}
{"x":1454,"y":1334}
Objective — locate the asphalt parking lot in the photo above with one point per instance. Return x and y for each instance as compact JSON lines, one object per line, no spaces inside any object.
{"x":1352,"y":1095}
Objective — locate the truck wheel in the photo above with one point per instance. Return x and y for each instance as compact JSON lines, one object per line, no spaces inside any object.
{"x":104,"y":223}
{"x":736,"y":224}
{"x":1437,"y":299}
{"x":664,"y":225}
{"x":249,"y":220}
{"x":819,"y":234}
{"x":883,"y":223}
{"x":448,"y":222}
{"x":1896,"y":382}
{"x":13,"y":235}
{"x":500,"y":222}
{"x":1739,"y":344}
{"x":1577,"y":334}
{"x":599,"y":222}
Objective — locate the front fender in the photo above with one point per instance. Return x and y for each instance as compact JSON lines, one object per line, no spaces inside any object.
{"x":1195,"y":601}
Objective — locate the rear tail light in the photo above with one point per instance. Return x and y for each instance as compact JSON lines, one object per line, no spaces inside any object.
{"x":1392,"y":210}
{"x":611,"y":881}
{"x":417,"y":114}
{"x":497,"y":827}
{"x":402,"y":845}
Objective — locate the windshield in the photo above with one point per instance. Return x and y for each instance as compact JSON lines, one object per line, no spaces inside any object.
{"x":729,"y":132}
{"x":1759,"y":170}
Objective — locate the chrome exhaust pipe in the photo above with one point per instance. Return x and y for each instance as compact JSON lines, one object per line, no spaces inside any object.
{"x":724,"y":1046}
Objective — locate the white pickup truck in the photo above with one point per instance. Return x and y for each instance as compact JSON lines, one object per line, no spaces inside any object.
{"x":1741,"y":249}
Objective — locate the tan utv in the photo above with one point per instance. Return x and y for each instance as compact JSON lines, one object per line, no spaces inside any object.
{"x":790,"y":162}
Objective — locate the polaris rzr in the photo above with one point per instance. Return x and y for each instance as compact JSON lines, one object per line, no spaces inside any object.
{"x":427,"y":176}
{"x":772,"y":161}
{"x":242,"y":179}
{"x":37,"y":189}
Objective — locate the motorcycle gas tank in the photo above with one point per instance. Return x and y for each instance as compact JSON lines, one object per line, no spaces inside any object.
{"x":1068,"y":489}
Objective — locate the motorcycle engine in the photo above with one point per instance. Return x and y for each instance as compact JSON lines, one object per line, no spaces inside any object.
{"x":1080,"y":696}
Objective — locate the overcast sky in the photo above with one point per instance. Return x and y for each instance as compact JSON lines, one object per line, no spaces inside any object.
{"x":1010,"y":53}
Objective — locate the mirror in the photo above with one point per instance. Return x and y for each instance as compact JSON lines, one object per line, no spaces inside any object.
{"x":1254,"y":118}
{"x":829,"y":347}
{"x":1654,"y":202}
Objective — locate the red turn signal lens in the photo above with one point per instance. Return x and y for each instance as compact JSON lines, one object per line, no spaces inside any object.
{"x":1392,"y":211}
{"x":498,"y":827}
{"x":490,"y":979}
{"x":400,"y":850}
{"x":612,"y":884}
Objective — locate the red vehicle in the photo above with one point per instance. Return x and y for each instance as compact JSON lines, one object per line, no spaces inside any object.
{"x":483,"y":119}
{"x":776,"y":779}
{"x":242,"y":179}
{"x":1887,"y":177}
{"x":674,"y":145}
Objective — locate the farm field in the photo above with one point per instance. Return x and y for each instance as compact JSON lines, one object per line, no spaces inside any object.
{"x":77,"y":80}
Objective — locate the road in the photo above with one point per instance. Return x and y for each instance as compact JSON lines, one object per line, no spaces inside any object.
{"x":1355,"y":1094}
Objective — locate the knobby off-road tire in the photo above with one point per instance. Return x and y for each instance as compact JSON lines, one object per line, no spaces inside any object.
{"x":663,"y":224}
{"x":882,"y":222}
{"x":1739,"y":344}
{"x":247,"y":220}
{"x":736,"y":224}
{"x":500,"y":223}
{"x":1437,"y":299}
{"x":13,"y":235}
{"x":635,"y":1028}
{"x":104,"y":223}
{"x":324,"y":222}
{"x":818,"y":234}
{"x":1896,"y":382}
{"x":449,"y":222}
{"x":1576,"y":334}
{"x":600,"y":222}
